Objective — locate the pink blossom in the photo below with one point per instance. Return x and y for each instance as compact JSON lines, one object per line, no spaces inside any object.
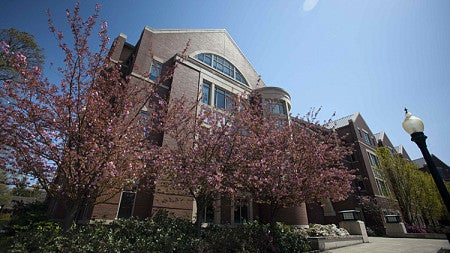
{"x":22,"y":58}
{"x":4,"y":46}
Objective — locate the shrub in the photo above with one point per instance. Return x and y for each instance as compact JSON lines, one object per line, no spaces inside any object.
{"x":35,"y":237}
{"x":5,"y":218}
{"x":162,"y":234}
{"x":28,"y":214}
{"x":290,"y":240}
{"x":415,"y":229}
{"x":249,"y":237}
{"x":159,"y":234}
{"x":253,"y":237}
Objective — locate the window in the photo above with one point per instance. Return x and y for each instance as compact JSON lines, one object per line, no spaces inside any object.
{"x":222,"y":65}
{"x":366,"y":137}
{"x":206,"y":91}
{"x":228,"y":68}
{"x":206,"y":58}
{"x":155,"y":70}
{"x":378,"y":174}
{"x":209,"y":213}
{"x":373,"y":159}
{"x":126,"y":204}
{"x":218,"y":63}
{"x":240,"y":213}
{"x":277,"y":108}
{"x":382,"y":187}
{"x":280,"y":123}
{"x":222,"y":99}
{"x":240,"y":78}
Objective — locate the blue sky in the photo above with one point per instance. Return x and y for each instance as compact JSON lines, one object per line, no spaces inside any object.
{"x":374,"y":57}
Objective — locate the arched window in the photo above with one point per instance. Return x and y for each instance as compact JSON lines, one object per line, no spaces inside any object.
{"x":222,"y":65}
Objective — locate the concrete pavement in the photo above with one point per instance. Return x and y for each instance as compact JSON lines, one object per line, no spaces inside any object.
{"x":383,"y":245}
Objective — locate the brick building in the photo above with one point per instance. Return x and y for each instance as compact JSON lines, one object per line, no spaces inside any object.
{"x":215,"y":68}
{"x":369,"y":181}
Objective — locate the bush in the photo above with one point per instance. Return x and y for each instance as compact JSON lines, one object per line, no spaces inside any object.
{"x":290,"y":240}
{"x":37,"y":237}
{"x":253,"y":237}
{"x":249,"y":237}
{"x":127,"y":235}
{"x":5,"y":218}
{"x":26,"y":215}
{"x":415,"y":229}
{"x":159,"y":234}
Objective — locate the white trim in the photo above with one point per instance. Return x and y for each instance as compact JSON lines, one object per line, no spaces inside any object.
{"x":194,"y":210}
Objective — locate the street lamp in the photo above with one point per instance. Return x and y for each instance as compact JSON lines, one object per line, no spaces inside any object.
{"x":414,"y":126}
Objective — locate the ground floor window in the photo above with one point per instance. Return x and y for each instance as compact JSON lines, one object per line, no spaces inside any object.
{"x":241,"y":211}
{"x":126,"y":206}
{"x":209,"y":213}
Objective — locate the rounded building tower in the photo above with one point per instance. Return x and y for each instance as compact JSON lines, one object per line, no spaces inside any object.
{"x":281,"y":102}
{"x":280,"y":99}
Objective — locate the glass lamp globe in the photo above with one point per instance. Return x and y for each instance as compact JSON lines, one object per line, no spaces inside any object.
{"x":412,"y":124}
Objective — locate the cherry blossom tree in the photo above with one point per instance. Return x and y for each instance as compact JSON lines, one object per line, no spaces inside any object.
{"x":84,"y":138}
{"x":246,"y":152}
{"x":201,"y":148}
{"x":289,"y":162}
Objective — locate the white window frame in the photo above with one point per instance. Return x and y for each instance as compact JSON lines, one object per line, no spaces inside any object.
{"x":120,"y":203}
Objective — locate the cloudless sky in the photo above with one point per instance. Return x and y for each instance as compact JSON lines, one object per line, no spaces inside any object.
{"x":372,"y":57}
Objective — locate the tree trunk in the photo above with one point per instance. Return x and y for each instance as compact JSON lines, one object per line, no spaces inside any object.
{"x":406,"y":212}
{"x":201,"y":204}
{"x":426,"y":221}
{"x":273,"y":212}
{"x":70,"y":216}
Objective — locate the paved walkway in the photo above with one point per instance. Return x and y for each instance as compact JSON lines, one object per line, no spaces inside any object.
{"x":384,"y":245}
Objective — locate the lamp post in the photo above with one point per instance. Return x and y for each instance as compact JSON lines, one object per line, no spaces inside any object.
{"x":414,"y":126}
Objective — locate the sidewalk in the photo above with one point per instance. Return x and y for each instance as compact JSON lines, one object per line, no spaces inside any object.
{"x":383,"y":245}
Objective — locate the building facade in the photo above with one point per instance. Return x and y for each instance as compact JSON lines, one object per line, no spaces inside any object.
{"x":213,"y":69}
{"x":369,"y":182}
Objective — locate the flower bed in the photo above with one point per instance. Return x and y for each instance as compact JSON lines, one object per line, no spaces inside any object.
{"x":318,"y":230}
{"x":326,"y":237}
